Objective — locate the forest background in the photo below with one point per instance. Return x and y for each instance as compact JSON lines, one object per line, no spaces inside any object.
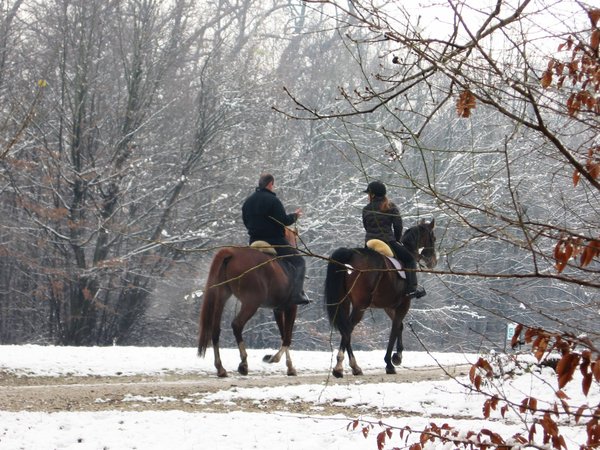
{"x":132,"y":130}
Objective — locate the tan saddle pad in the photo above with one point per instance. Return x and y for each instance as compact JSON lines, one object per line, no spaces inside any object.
{"x":264,"y":247}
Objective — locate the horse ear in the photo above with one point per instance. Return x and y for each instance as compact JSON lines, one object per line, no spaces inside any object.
{"x":432,"y":223}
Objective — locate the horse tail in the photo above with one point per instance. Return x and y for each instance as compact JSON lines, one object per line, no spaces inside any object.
{"x":215,"y":292}
{"x":335,"y":294}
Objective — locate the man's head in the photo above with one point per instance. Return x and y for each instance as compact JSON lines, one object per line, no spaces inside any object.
{"x":266,"y":181}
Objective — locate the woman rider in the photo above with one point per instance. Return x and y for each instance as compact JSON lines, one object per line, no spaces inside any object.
{"x":382,"y":220}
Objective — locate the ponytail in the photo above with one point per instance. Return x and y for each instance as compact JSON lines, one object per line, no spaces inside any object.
{"x":385,"y":205}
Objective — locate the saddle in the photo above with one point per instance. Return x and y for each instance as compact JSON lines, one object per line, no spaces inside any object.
{"x":268,"y":249}
{"x":381,"y":247}
{"x":265,"y":247}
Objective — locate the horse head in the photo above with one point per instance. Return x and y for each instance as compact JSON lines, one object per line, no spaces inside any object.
{"x":426,"y":243}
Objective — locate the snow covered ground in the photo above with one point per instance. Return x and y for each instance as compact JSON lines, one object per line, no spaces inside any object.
{"x":432,"y":401}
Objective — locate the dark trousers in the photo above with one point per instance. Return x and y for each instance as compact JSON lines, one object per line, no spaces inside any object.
{"x":292,"y":262}
{"x":408,"y":261}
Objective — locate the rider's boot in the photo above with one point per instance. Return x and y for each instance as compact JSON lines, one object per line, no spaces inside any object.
{"x":416,"y":292}
{"x":301,"y":299}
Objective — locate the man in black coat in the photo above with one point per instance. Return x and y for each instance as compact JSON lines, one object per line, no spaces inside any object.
{"x":265,"y":218}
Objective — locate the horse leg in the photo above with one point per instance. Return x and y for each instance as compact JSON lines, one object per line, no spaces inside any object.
{"x":394,"y":333}
{"x":355,"y":318}
{"x":221,"y":372}
{"x":345,"y":330}
{"x":345,"y":344}
{"x":289,"y":319}
{"x":356,"y":370}
{"x":338,"y":370}
{"x":397,"y":317}
{"x":285,"y":322}
{"x":280,"y":321}
{"x":237,"y":325}
{"x":397,"y":356}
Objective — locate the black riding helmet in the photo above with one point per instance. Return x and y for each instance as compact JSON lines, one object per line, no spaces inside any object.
{"x":376,"y":188}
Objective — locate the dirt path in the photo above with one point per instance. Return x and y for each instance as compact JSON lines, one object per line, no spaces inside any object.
{"x":178,"y":391}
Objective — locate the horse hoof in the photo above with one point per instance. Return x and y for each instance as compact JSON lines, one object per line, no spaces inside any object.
{"x":268,"y":358}
{"x":292,"y":373}
{"x":338,"y":374}
{"x":243,"y":370}
{"x":390,"y":370}
{"x":222,"y":373}
{"x":357,"y":372}
{"x":397,"y":359}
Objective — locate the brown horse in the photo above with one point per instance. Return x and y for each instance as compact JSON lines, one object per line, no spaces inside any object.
{"x":361,"y":278}
{"x":257,"y":279}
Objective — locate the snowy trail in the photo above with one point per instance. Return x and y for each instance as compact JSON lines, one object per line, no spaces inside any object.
{"x":175,"y":391}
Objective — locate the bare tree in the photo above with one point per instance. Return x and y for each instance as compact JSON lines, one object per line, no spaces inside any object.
{"x":101,"y":196}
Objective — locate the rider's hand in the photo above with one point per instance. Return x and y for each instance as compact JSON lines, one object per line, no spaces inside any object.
{"x":298,"y":213}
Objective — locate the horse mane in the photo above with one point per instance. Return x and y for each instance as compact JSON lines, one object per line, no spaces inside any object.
{"x":410,"y":238}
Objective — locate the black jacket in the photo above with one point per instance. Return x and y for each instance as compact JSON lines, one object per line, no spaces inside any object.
{"x":264,"y":216}
{"x":384,"y":225}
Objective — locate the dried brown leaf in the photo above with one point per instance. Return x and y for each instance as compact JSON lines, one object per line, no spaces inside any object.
{"x":580,"y":412}
{"x":561,"y":394}
{"x":594,"y":15}
{"x":546,"y":80}
{"x":477,"y":383}
{"x":532,"y":432}
{"x":573,"y":105}
{"x":562,"y":253}
{"x":486,"y":409}
{"x":566,"y":367}
{"x":465,"y":103}
{"x":596,"y":369}
{"x":539,"y":347}
{"x":516,"y":337}
{"x":590,"y":251}
{"x":586,"y":383}
{"x":381,"y":440}
{"x":528,"y":404}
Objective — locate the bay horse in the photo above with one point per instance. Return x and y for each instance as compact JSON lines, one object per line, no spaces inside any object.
{"x":361,"y":278}
{"x":257,"y":279}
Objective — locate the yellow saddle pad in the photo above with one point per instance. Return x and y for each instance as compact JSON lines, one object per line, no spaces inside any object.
{"x":379,"y":246}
